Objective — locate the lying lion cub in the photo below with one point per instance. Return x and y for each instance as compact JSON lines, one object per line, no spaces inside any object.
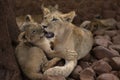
{"x":31,"y":58}
{"x":71,"y":42}
{"x":99,"y":24}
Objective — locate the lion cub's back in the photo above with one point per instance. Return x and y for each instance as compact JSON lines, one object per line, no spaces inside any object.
{"x":83,"y":41}
{"x":30,"y":58}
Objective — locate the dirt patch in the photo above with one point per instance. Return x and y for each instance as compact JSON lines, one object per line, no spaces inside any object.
{"x":85,"y":9}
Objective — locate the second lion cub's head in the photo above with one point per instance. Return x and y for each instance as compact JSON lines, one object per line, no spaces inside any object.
{"x":31,"y":31}
{"x":54,"y":20}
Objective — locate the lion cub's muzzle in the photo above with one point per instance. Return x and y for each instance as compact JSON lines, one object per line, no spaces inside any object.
{"x":49,"y":34}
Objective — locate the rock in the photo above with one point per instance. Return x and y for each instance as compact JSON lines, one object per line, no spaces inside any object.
{"x":87,"y":74}
{"x":98,"y":37}
{"x":107,"y":76}
{"x":101,"y":67}
{"x":118,"y":25}
{"x":76,"y":72}
{"x":118,"y":11}
{"x":118,"y":32}
{"x":87,"y":57}
{"x":115,"y":47}
{"x":114,"y":51}
{"x":107,"y":37}
{"x":117,"y":17}
{"x":111,"y":33}
{"x":93,"y":59}
{"x":115,"y":63}
{"x":45,"y":77}
{"x":116,"y":73}
{"x":102,"y":42}
{"x":119,"y":74}
{"x":84,"y":64}
{"x":102,"y":36}
{"x":116,"y":39}
{"x":70,"y":79}
{"x":99,"y":32}
{"x":106,"y":59}
{"x":102,"y":52}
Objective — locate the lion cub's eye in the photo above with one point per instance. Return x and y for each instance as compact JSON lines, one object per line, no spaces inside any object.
{"x":45,"y":17}
{"x":54,"y":19}
{"x":33,"y":31}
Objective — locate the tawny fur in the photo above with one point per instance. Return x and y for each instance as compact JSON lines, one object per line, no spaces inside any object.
{"x":99,"y":24}
{"x":31,"y":58}
{"x":71,"y":43}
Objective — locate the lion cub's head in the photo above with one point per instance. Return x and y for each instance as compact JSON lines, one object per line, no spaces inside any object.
{"x":31,"y":31}
{"x":99,"y":24}
{"x":94,"y":25}
{"x":54,"y":20}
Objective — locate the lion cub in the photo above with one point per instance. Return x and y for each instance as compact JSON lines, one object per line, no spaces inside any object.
{"x":32,"y":58}
{"x":99,"y":24}
{"x":71,"y":42}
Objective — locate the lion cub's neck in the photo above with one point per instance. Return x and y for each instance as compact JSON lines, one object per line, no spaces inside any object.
{"x":29,"y":44}
{"x":64,"y":32}
{"x":41,"y":42}
{"x":44,"y":44}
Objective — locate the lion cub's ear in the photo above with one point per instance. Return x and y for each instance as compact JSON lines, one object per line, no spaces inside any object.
{"x":28,"y":18}
{"x":69,"y":16}
{"x":25,"y":25}
{"x":45,"y":10}
{"x":21,"y":37}
{"x":56,"y":6}
{"x":53,"y":9}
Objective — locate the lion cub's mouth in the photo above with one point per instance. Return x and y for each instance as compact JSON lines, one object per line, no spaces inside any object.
{"x":49,"y":34}
{"x":52,"y":45}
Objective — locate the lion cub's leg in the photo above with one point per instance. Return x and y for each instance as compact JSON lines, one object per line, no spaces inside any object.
{"x":50,"y":63}
{"x":70,"y":63}
{"x":35,"y":76}
{"x":62,"y":70}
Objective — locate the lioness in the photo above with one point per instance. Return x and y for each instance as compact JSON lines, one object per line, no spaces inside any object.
{"x":31,"y":58}
{"x":71,"y":43}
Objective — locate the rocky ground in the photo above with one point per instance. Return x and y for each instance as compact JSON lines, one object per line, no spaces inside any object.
{"x":103,"y":62}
